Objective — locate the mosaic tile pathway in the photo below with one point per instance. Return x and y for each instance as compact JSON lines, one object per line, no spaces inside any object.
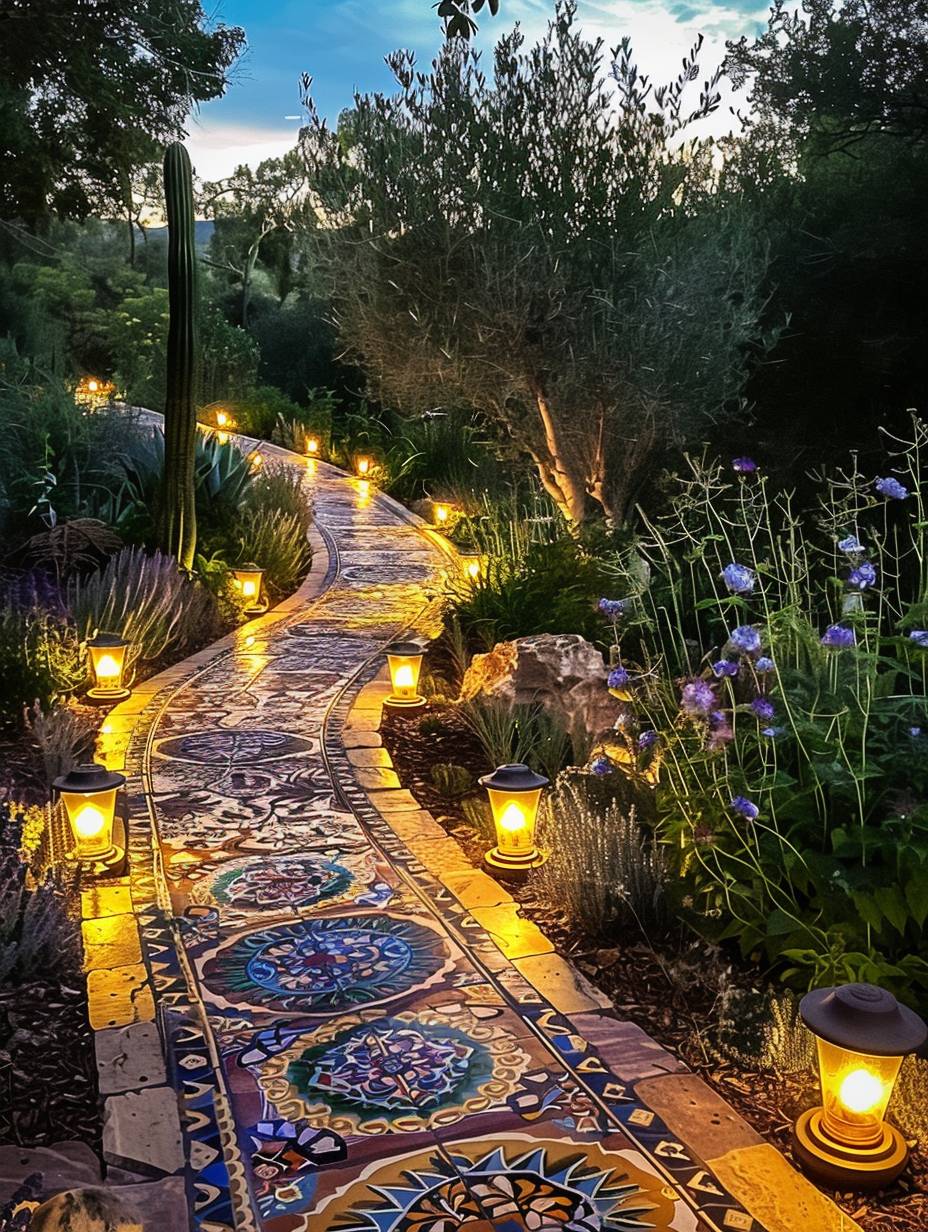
{"x":363,"y":1035}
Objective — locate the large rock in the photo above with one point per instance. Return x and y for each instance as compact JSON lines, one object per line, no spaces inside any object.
{"x":561,"y":671}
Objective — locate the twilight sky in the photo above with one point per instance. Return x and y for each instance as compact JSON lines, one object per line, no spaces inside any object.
{"x":342,"y":43}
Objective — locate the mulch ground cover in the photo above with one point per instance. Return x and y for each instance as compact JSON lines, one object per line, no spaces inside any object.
{"x":674,"y":994}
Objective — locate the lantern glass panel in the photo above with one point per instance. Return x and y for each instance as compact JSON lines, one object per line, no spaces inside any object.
{"x":404,"y":675}
{"x":91,"y":819}
{"x":514,"y":816}
{"x":855,"y":1091}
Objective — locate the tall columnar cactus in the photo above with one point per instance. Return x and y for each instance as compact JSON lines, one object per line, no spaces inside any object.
{"x":180,"y":419}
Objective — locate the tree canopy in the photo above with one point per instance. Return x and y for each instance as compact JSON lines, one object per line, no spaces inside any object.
{"x":89,"y":92}
{"x":543,"y":246}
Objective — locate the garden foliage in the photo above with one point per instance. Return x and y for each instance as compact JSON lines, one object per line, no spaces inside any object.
{"x":776,"y":661}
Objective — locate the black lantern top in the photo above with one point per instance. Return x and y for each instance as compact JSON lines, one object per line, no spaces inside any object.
{"x":863,"y":1018}
{"x":107,"y":641}
{"x":515,"y":778}
{"x":89,"y":778}
{"x":409,"y":649}
{"x":250,"y":567}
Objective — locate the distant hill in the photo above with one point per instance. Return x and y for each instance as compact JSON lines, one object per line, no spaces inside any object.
{"x":202,"y":230}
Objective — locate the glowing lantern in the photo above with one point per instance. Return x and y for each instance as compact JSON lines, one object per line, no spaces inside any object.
{"x":471,"y":566}
{"x":405,"y":662}
{"x":312,"y":445}
{"x":256,"y":462}
{"x":862,"y":1033}
{"x":108,"y":660}
{"x":222,"y":419}
{"x":248,"y":579}
{"x":442,"y":514}
{"x":88,"y":794}
{"x":92,"y":393}
{"x":363,"y":466}
{"x":515,"y":793}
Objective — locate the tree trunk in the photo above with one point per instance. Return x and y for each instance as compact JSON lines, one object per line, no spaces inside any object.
{"x":558,"y":475}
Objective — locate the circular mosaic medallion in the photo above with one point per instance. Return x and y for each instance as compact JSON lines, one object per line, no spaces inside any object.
{"x":268,"y":883}
{"x":516,"y":1185}
{"x":327,"y":965}
{"x":404,"y":1073}
{"x":234,"y":747}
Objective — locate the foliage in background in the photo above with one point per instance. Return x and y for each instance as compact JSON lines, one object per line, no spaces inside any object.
{"x":780,"y":655}
{"x":544,"y":247}
{"x":41,"y":660}
{"x":65,"y":738}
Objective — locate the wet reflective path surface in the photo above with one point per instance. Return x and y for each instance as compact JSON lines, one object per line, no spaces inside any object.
{"x":363,"y":1035}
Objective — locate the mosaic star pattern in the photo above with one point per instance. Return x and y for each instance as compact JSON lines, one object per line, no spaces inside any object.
{"x":382,"y":1066}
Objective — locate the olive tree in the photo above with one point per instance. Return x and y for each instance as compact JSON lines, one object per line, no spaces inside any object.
{"x":543,"y":244}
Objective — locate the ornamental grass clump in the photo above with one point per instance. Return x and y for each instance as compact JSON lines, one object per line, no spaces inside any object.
{"x":603,"y":871}
{"x":781,"y":659}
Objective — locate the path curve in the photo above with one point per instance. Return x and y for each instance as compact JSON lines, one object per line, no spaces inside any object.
{"x":361,"y":1033}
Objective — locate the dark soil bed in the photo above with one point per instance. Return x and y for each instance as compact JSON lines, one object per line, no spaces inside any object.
{"x":48,"y":1080}
{"x":673,"y":994}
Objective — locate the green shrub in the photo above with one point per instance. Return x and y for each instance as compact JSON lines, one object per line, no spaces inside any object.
{"x":451,"y":781}
{"x":603,"y":871}
{"x":41,"y":660}
{"x":276,"y":540}
{"x":39,"y":935}
{"x":56,"y":462}
{"x":282,"y":487}
{"x":549,"y":589}
{"x":147,"y":600}
{"x":517,"y":733}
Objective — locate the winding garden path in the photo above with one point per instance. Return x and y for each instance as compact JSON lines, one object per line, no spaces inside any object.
{"x":360,"y":1032}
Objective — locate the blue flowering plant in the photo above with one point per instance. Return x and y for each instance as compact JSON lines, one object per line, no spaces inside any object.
{"x":781,"y":662}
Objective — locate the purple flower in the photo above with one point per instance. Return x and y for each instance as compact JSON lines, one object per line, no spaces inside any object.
{"x":601,"y":766}
{"x":915,"y":732}
{"x":743,"y":466}
{"x":764,"y":665}
{"x":745,"y":638}
{"x":862,"y":577}
{"x":613,"y":608}
{"x":839,"y":637}
{"x":725,"y":667}
{"x":618,"y":678}
{"x":891,"y":487}
{"x":744,"y":807}
{"x":763,"y":708}
{"x":771,"y":732}
{"x":739,"y":579}
{"x":647,"y":740}
{"x":698,"y":697}
{"x":920,"y":638}
{"x":851,"y":545}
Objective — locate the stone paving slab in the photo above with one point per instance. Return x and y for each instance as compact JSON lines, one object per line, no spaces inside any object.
{"x":362,"y":1033}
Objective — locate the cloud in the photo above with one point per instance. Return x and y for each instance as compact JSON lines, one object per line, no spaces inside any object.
{"x":216,"y":148}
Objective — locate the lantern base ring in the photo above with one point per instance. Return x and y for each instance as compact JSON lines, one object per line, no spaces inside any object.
{"x":404,"y":703}
{"x":103,"y":697}
{"x":257,"y":609}
{"x":514,"y":867}
{"x":845,"y":1165}
{"x":110,"y":863}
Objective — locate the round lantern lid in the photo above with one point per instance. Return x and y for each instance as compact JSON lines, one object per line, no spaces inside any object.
{"x":516,"y":777}
{"x":404,"y":648}
{"x":863,"y":1018}
{"x":88,"y":779}
{"x":107,"y":641}
{"x":250,"y":567}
